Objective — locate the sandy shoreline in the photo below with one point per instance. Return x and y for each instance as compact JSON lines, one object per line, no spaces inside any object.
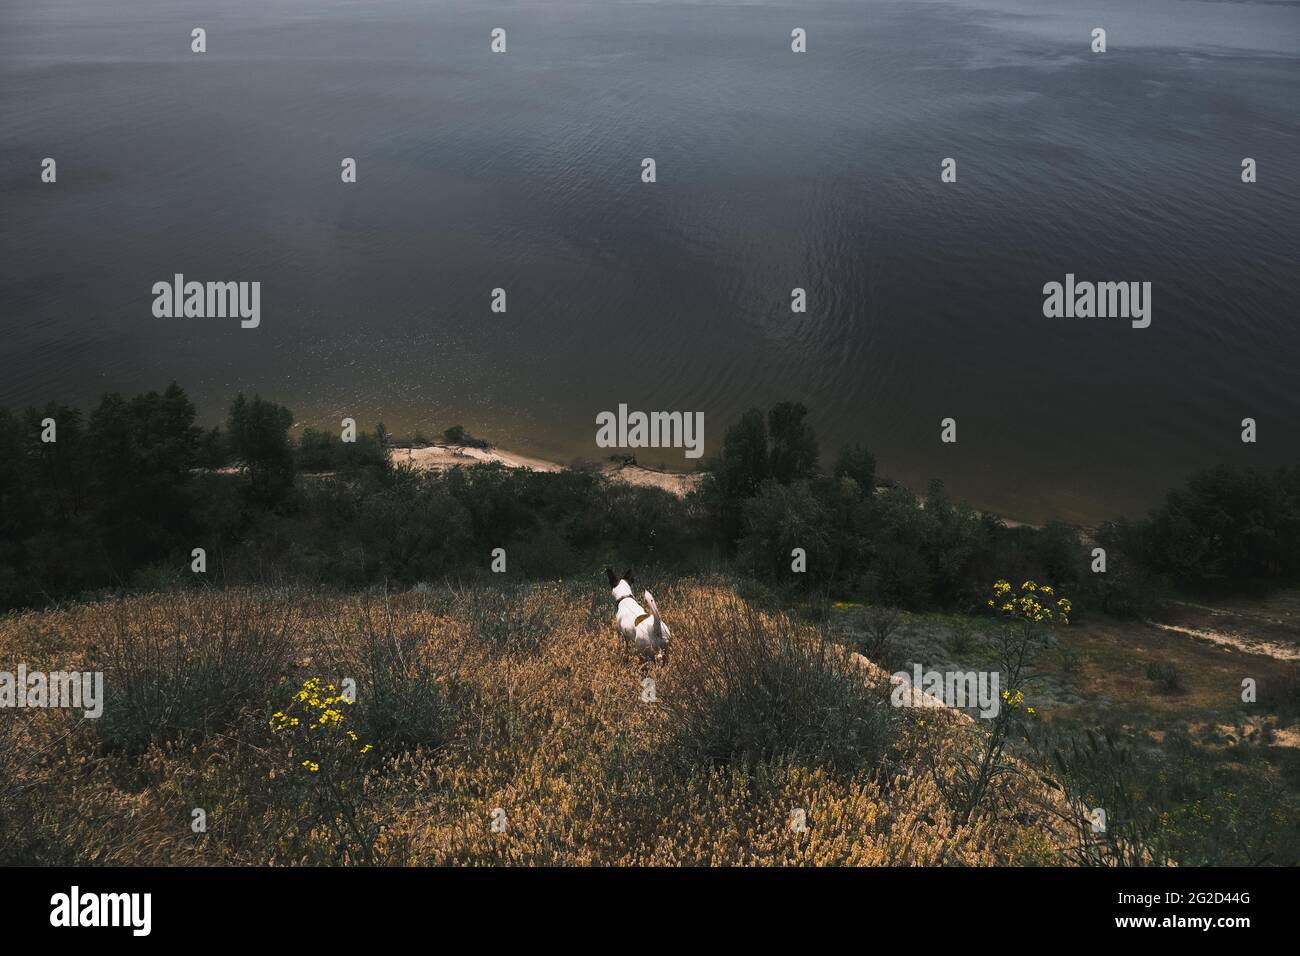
{"x":439,"y":457}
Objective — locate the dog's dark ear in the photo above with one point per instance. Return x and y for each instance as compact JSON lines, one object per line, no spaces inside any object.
{"x":613,"y":581}
{"x":627,"y":575}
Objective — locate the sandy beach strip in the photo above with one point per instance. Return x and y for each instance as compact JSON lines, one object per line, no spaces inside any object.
{"x":439,"y":457}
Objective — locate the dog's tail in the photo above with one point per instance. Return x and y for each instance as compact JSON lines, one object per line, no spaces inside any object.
{"x":654,"y":610}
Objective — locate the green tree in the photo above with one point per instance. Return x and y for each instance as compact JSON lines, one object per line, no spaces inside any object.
{"x":793,"y":454}
{"x":858,"y":463}
{"x":144,"y":450}
{"x":259,"y":438}
{"x":779,"y":519}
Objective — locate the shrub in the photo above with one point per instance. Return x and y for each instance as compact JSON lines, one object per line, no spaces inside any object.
{"x":1166,"y":677}
{"x":1094,"y":771}
{"x":315,"y":451}
{"x":319,"y":775}
{"x":1058,"y":553}
{"x":511,"y":618}
{"x":961,"y":641}
{"x":182,"y":666}
{"x":898,"y":571}
{"x":745,"y":688}
{"x":1227,"y":530}
{"x":456,"y":435}
{"x":1128,"y":591}
{"x":880,"y":620}
{"x":401,"y":702}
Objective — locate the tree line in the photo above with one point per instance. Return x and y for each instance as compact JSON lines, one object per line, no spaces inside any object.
{"x":122,"y":496}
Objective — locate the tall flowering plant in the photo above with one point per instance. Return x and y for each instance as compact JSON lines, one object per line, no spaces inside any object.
{"x":320,"y":760}
{"x":1026,"y":613}
{"x":1032,"y":603}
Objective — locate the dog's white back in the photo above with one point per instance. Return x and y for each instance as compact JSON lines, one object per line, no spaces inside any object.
{"x":644,"y":630}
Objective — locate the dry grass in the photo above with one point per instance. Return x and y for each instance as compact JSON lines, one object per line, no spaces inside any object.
{"x":1215,"y":779}
{"x":752,"y":720}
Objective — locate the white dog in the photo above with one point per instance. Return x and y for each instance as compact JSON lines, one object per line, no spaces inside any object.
{"x":643,"y":630}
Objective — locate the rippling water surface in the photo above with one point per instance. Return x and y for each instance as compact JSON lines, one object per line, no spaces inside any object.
{"x":775,"y":171}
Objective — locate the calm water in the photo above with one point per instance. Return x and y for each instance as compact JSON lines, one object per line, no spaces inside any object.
{"x":775,"y":171}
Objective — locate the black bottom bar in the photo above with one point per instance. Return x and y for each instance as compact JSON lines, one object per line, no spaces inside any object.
{"x":943,"y":906}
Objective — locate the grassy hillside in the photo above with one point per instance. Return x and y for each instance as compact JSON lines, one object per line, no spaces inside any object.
{"x":512,"y":706}
{"x":1213,"y":778}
